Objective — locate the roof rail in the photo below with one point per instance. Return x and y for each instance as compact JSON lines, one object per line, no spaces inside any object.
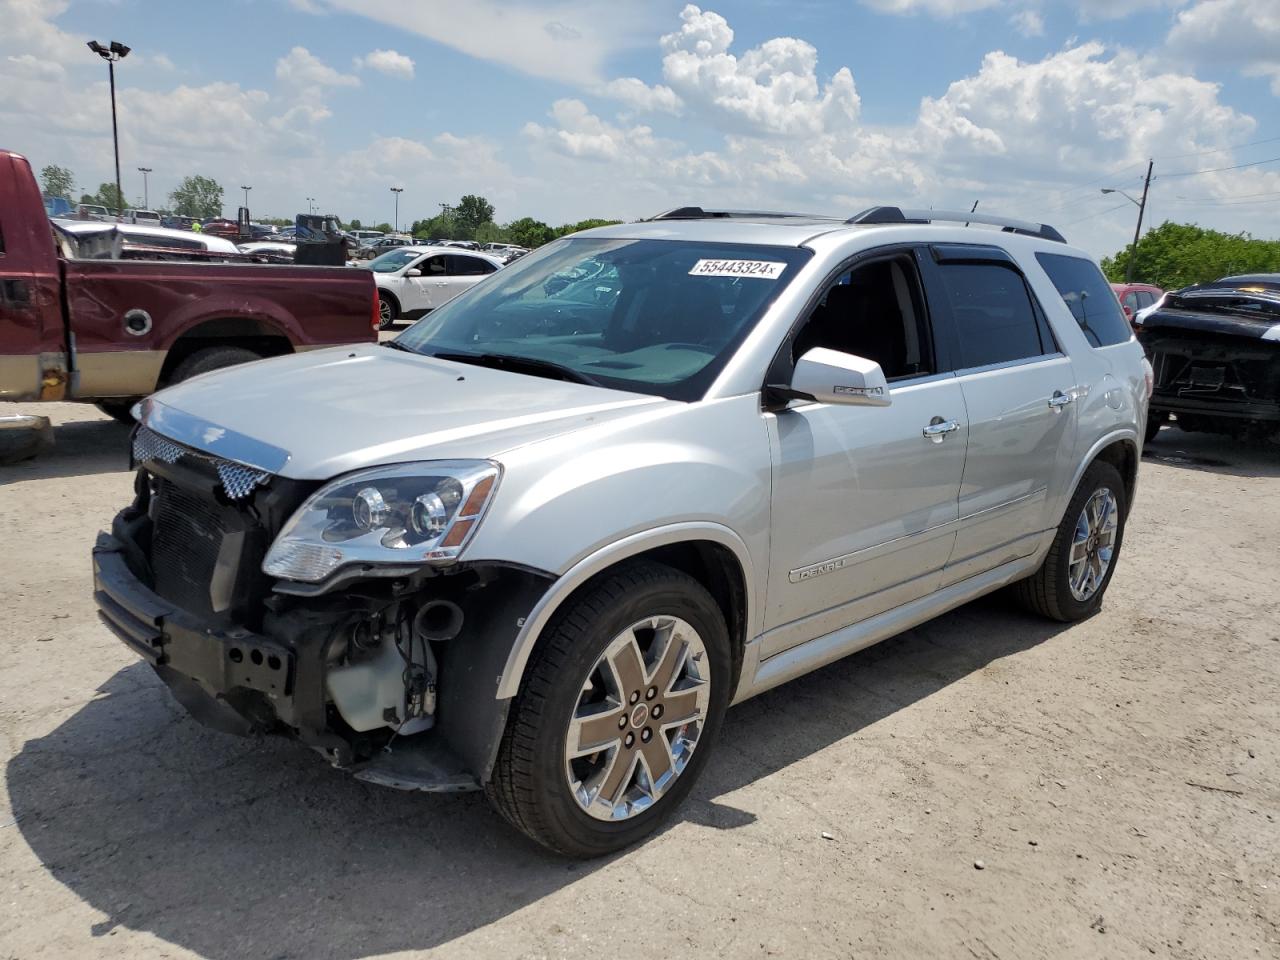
{"x":1009,"y":225}
{"x":698,"y":213}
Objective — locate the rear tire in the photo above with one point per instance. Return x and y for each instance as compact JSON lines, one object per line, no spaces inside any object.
{"x":537,"y":783}
{"x":388,"y":311}
{"x":211,"y":358}
{"x":118,"y":410}
{"x":1055,"y":590}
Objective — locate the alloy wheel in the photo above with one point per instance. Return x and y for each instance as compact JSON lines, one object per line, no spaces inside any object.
{"x":1093,"y":544}
{"x":638,"y":719}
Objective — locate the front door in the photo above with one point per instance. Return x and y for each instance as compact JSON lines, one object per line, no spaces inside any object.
{"x":429,"y":290}
{"x":864,"y":501}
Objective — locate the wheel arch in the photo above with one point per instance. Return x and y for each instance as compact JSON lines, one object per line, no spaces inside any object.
{"x":1119,"y":448}
{"x":711,"y":553}
{"x":261,"y":335}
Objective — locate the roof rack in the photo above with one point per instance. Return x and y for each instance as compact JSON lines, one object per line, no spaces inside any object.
{"x":698,"y":213}
{"x":898,"y":215}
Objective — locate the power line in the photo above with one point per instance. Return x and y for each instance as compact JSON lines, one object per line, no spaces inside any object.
{"x":1233,"y":196}
{"x":1196,"y":173}
{"x":1098,"y":214}
{"x":1227,"y":203}
{"x":1201,"y":153}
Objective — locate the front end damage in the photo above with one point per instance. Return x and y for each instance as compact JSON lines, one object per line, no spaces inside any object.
{"x":1216,"y":358}
{"x":391,"y":675}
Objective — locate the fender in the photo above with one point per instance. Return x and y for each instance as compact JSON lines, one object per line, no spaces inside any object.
{"x":607,"y":556}
{"x":1105,"y":441}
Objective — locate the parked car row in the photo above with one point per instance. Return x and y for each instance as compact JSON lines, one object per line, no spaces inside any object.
{"x":414,"y":280}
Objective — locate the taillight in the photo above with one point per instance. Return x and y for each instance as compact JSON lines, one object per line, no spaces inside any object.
{"x":376,"y":320}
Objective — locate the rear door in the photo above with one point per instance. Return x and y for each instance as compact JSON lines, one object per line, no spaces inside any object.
{"x":1019,"y":395}
{"x":465,"y":271}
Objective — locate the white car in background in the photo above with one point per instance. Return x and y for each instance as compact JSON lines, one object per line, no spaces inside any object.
{"x":412,"y":281}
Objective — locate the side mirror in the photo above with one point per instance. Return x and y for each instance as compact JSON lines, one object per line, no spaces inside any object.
{"x":830,"y":376}
{"x":415,"y":272}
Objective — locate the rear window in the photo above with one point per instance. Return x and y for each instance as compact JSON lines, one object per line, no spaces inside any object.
{"x":1088,"y":296}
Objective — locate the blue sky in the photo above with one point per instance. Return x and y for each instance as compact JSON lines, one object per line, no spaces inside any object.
{"x":563,"y":109}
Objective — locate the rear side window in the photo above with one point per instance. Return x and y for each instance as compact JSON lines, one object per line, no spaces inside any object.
{"x":1088,"y":296}
{"x":995,"y":321}
{"x":463,"y":266}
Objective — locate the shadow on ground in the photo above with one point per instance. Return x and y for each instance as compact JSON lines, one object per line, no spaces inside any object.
{"x":80,"y":448}
{"x":1214,"y":453}
{"x":234,"y":848}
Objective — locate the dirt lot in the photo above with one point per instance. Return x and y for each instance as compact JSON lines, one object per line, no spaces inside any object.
{"x":1118,"y":780}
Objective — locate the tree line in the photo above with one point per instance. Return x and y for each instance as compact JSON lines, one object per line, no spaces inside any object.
{"x":471,"y":218}
{"x":1175,"y":255}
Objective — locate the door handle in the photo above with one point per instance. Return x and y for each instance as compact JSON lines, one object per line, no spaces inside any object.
{"x":938,"y":429}
{"x":1060,"y":400}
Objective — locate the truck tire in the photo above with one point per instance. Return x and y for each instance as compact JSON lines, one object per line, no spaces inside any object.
{"x":636,"y":669}
{"x":211,"y":358}
{"x":388,"y":310}
{"x":1074,"y":576}
{"x":118,"y":410}
{"x":1155,"y":420}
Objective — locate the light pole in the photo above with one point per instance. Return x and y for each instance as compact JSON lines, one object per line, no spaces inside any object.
{"x":146,"y":195}
{"x":1142,"y":207}
{"x":246,"y":195}
{"x":395,"y":227}
{"x":311,"y":204}
{"x":117,"y":51}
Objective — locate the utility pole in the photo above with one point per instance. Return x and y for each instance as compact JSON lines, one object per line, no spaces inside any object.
{"x":1133,"y":253}
{"x":395,"y":227}
{"x":116,"y":51}
{"x":146,"y":196}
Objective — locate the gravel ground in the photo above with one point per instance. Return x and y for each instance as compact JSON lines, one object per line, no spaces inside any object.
{"x":988,"y":785}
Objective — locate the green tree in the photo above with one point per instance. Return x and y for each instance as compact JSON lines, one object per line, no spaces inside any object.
{"x":472,"y":212}
{"x":383,"y":227}
{"x":197,"y":196}
{"x":108,"y":197}
{"x":529,"y":232}
{"x":1174,"y":255}
{"x":57,"y":181}
{"x":568,"y":228}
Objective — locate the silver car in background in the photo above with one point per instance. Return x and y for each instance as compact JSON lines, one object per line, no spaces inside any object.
{"x":539,"y":543}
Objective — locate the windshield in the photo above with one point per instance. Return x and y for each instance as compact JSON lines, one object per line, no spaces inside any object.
{"x":651,"y":316}
{"x":393,"y":260}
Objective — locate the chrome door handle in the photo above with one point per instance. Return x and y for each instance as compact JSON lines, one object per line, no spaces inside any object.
{"x":1060,"y":399}
{"x":938,"y":429}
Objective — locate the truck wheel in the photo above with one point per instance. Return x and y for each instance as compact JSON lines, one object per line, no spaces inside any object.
{"x":1155,"y":420}
{"x":1070,"y":583}
{"x":388,"y":312}
{"x":118,"y":410}
{"x":211,"y":358}
{"x":617,"y":713}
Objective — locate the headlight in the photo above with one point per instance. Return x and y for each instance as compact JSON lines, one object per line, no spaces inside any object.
{"x":410,"y":513}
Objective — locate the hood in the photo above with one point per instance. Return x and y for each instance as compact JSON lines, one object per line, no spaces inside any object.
{"x":315,"y":415}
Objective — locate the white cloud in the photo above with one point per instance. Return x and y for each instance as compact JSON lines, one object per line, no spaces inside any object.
{"x":937,"y":8}
{"x":566,"y":40}
{"x":1029,"y":23}
{"x":387,"y":61}
{"x":36,"y":68}
{"x":638,"y":95}
{"x":772,"y":89}
{"x":1242,"y":33}
{"x":304,"y":71}
{"x":1119,"y":9}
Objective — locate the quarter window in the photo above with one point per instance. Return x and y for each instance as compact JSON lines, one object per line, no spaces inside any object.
{"x":1088,"y":296}
{"x":995,"y":320}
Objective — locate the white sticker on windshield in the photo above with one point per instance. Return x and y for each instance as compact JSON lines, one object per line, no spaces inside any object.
{"x":762,"y":269}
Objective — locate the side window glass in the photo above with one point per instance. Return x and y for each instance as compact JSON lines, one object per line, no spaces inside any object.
{"x":1131,"y":301}
{"x":435,"y":267}
{"x":1145,"y":299}
{"x":995,"y":321}
{"x":876,"y":312}
{"x":464,"y":266}
{"x":1088,"y":296}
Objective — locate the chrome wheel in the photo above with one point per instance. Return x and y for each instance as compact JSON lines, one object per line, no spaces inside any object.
{"x":638,"y":718}
{"x":385,"y":314}
{"x":1093,"y":544}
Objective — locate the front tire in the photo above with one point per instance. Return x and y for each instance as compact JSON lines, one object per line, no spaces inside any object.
{"x":619,"y":708}
{"x":118,"y":410}
{"x":1070,"y":584}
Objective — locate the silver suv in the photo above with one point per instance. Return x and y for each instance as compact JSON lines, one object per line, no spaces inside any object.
{"x":540,"y":542}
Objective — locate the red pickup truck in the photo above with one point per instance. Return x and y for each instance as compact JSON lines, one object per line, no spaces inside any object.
{"x":111,"y":330}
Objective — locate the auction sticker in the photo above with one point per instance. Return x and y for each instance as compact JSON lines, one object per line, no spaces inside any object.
{"x":762,"y":269}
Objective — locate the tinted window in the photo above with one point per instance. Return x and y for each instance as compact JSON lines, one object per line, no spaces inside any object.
{"x":460,"y":266}
{"x":1089,"y":298}
{"x":1145,"y":299}
{"x":995,"y":321}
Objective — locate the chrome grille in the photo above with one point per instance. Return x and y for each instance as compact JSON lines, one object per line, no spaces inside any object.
{"x":238,"y":480}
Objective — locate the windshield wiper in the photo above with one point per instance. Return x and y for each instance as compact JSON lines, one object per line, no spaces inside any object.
{"x":397,"y":345}
{"x":505,"y":361}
